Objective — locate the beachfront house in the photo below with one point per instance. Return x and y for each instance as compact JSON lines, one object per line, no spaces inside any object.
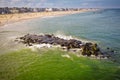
{"x":1,"y":11}
{"x":25,"y":9}
{"x":42,"y":9}
{"x":14,"y":10}
{"x":48,"y":9}
{"x":4,"y":10}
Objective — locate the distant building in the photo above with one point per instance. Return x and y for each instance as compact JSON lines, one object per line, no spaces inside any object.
{"x":1,"y":11}
{"x":35,"y":10}
{"x":13,"y":10}
{"x":24,"y":10}
{"x":42,"y":9}
{"x":4,"y":10}
{"x":48,"y":9}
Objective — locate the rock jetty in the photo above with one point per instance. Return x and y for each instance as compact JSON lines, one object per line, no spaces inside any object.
{"x":86,"y":48}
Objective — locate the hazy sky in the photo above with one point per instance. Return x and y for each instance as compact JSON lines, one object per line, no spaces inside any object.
{"x":61,"y":3}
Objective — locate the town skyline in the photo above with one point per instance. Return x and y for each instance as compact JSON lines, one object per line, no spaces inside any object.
{"x":61,"y":3}
{"x":10,"y":10}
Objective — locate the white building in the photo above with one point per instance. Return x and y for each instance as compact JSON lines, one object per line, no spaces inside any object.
{"x":48,"y":9}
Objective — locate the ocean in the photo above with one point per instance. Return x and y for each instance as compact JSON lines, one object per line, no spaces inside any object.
{"x":101,"y":26}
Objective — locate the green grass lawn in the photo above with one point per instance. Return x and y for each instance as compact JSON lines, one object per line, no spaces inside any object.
{"x":50,"y":65}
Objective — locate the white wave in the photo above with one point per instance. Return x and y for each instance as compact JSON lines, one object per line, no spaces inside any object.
{"x":71,"y":37}
{"x":64,"y":37}
{"x":52,"y":16}
{"x":66,"y":55}
{"x":42,"y":45}
{"x":38,"y":46}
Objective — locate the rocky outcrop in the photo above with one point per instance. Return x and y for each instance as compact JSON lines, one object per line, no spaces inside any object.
{"x":87,"y":48}
{"x":50,"y":39}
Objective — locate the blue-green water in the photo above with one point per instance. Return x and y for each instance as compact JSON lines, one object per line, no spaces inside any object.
{"x":102,"y":26}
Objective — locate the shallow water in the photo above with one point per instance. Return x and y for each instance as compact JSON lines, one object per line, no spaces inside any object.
{"x":101,"y":26}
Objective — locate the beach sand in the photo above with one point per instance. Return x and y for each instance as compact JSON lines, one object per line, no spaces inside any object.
{"x":10,"y":18}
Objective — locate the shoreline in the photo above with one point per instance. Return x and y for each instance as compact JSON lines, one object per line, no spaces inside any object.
{"x":11,"y":18}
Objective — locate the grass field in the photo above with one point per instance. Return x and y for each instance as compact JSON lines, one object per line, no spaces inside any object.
{"x":48,"y":64}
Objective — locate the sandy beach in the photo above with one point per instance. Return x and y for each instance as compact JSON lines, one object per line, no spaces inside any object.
{"x":10,"y":18}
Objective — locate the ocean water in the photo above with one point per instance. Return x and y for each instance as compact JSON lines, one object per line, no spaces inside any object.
{"x":102,"y":27}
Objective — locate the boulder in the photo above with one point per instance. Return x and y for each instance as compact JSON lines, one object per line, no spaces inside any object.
{"x":90,"y":49}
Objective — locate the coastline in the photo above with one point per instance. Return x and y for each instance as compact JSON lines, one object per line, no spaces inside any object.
{"x":11,"y":18}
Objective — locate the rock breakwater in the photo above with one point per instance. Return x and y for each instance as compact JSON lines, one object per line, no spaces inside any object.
{"x":87,"y":48}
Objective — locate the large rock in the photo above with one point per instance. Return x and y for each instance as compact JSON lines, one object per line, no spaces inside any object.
{"x":90,"y":49}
